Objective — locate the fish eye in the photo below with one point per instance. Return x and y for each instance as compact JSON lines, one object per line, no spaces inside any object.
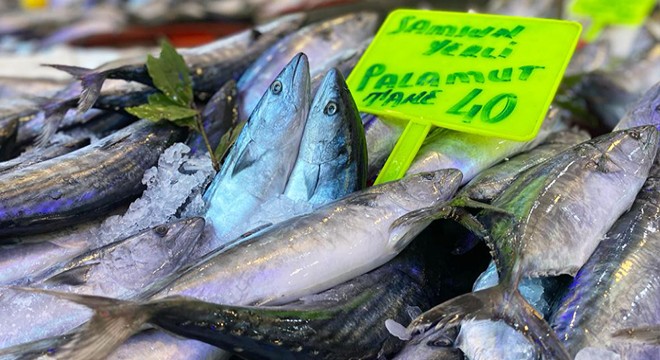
{"x":331,"y":108}
{"x":276,"y":87}
{"x":428,"y":176}
{"x":161,"y":230}
{"x":441,"y":342}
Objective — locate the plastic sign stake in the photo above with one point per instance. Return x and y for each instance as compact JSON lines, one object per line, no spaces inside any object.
{"x":486,"y":74}
{"x":606,"y":12}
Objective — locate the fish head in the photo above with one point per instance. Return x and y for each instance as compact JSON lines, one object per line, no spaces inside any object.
{"x":646,"y":111}
{"x":426,"y":189}
{"x":334,"y":124}
{"x":629,"y":149}
{"x":284,"y":106}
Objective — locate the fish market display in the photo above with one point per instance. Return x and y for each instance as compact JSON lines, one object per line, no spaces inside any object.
{"x":235,"y":217}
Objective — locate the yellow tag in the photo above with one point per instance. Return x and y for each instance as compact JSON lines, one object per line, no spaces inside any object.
{"x":606,"y":12}
{"x":34,"y":4}
{"x":485,"y":74}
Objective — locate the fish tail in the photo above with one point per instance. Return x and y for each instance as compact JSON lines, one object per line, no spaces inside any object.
{"x":54,"y":114}
{"x":501,"y":302}
{"x":113,"y":322}
{"x":647,"y":334}
{"x":91,"y":81}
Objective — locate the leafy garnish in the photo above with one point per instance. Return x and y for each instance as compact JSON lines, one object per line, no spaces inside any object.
{"x":174,"y":103}
{"x":227,"y":140}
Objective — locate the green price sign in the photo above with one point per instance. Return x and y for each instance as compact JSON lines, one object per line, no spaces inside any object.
{"x":485,"y":74}
{"x":606,"y":12}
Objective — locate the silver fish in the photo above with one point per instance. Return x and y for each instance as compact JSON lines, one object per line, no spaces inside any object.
{"x":575,"y":196}
{"x":491,"y":182}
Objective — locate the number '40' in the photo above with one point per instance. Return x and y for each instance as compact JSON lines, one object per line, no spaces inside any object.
{"x":487,"y":109}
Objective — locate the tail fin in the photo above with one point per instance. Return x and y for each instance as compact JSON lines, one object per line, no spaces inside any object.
{"x":647,"y":334}
{"x":91,"y":81}
{"x":113,"y":322}
{"x":54,"y":114}
{"x":497,"y":303}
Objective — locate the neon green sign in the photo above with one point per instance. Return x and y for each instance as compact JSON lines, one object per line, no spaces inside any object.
{"x":485,"y":74}
{"x":606,"y":12}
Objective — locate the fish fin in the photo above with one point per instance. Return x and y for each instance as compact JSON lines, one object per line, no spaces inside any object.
{"x":113,"y":322}
{"x":397,"y":330}
{"x":312,"y":181}
{"x":54,"y":114}
{"x":245,"y":159}
{"x":91,"y":81}
{"x":74,"y":276}
{"x":606,"y":165}
{"x":255,"y":35}
{"x":77,"y":72}
{"x":501,"y":302}
{"x":647,"y":334}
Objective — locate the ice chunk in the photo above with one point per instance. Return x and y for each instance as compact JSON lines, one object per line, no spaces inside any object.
{"x":173,"y":190}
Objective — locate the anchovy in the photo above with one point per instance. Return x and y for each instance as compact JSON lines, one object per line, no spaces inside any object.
{"x":120,"y":269}
{"x":323,"y":42}
{"x":332,"y":159}
{"x":258,"y":165}
{"x":260,"y":269}
{"x":575,"y":196}
{"x":210,"y":65}
{"x":489,"y":183}
{"x":82,"y":184}
{"x":471,"y":153}
{"x":219,"y":115}
{"x":619,"y":287}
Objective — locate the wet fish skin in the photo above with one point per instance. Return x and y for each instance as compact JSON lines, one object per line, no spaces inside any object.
{"x":35,"y":156}
{"x":471,"y":153}
{"x":646,"y":111}
{"x":575,"y":196}
{"x":322,"y":42}
{"x":332,"y":159}
{"x":82,"y":184}
{"x":121,"y":269}
{"x":619,"y":286}
{"x":259,"y":164}
{"x":489,"y":183}
{"x":8,"y":131}
{"x":382,"y":136}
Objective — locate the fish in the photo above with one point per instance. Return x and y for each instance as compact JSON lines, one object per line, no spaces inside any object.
{"x":346,"y":321}
{"x":619,"y":286}
{"x":492,"y":181}
{"x":323,"y":42}
{"x":84,"y":183}
{"x":472,"y":153}
{"x":576,"y":196}
{"x":120,"y":269}
{"x":219,"y":115}
{"x":332,"y":160}
{"x":235,"y":275}
{"x":382,"y":135}
{"x":211,"y":65}
{"x":258,"y":165}
{"x":646,"y":111}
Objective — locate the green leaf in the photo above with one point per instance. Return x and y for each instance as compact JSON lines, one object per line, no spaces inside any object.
{"x":170,"y":75}
{"x":227,"y":140}
{"x":156,"y":112}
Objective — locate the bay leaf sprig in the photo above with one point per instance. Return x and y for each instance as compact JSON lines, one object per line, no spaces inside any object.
{"x":174,"y":102}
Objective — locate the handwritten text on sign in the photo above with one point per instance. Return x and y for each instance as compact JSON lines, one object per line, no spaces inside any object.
{"x":485,"y":74}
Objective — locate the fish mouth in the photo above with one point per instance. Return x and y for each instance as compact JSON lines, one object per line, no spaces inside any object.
{"x":300,"y":57}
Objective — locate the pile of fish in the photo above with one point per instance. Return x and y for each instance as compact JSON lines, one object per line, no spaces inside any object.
{"x":119,"y":240}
